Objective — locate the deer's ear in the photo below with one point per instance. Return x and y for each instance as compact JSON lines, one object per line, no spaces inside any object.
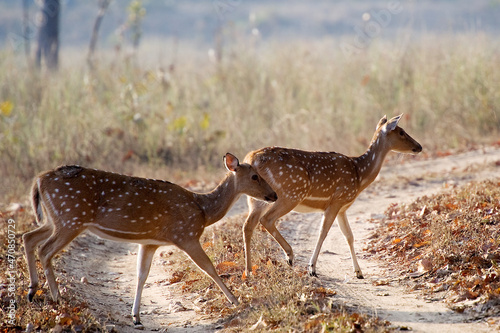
{"x":381,"y":122}
{"x":231,"y":162}
{"x":391,"y":124}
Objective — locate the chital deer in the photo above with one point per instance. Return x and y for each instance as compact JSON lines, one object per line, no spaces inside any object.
{"x":149,"y":212}
{"x":325,"y":182}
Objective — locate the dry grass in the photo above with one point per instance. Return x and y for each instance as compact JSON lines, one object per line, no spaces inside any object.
{"x":175,"y":121}
{"x":447,"y":245}
{"x":186,"y":115}
{"x":276,"y":297}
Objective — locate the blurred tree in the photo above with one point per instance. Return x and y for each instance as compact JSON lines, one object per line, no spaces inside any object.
{"x":48,"y":34}
{"x":103,"y":6}
{"x":26,"y":28}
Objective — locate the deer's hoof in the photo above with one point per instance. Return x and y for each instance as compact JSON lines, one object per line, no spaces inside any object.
{"x":138,"y":325}
{"x":31,"y":294}
{"x":312,"y":271}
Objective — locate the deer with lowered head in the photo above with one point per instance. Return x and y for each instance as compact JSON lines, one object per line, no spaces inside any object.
{"x":151,"y":213}
{"x":326,"y":182}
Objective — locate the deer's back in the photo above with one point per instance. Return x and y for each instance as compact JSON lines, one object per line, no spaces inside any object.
{"x":116,"y":204}
{"x":306,"y":174}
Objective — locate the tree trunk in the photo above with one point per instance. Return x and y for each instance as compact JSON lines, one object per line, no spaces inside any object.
{"x":26,"y":29}
{"x":103,"y":6}
{"x":48,"y":34}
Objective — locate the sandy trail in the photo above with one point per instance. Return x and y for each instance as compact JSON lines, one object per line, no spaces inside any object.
{"x":110,"y":267}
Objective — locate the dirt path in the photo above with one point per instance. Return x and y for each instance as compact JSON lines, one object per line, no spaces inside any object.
{"x":110,"y":272}
{"x":111,"y":278}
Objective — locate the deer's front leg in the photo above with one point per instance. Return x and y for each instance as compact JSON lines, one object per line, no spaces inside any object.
{"x":255,"y":211}
{"x":347,"y":232}
{"x":278,"y":209}
{"x":326,"y":224}
{"x":144,"y":259}
{"x":194,"y":250}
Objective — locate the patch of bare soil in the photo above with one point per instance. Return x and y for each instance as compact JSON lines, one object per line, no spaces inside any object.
{"x":104,"y":272}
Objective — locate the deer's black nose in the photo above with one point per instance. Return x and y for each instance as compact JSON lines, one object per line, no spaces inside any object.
{"x":271,"y":197}
{"x":418,"y":149}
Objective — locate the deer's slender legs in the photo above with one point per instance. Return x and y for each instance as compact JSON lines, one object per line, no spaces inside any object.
{"x":31,"y":241}
{"x":256,"y":209}
{"x":326,"y":223}
{"x":194,"y":250}
{"x":347,"y":232}
{"x":55,"y":243}
{"x":144,"y":259}
{"x":269,"y":218}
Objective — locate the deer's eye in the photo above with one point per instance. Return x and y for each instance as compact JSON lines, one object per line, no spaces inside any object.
{"x":255,"y":177}
{"x":402,"y":133}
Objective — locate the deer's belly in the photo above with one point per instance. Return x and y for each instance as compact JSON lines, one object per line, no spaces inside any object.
{"x":313,"y":205}
{"x":125,"y":236}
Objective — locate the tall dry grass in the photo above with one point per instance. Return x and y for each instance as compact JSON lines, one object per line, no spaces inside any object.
{"x":155,"y":119}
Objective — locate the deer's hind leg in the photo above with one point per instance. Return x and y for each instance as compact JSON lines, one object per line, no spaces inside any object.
{"x":31,"y":241}
{"x":55,"y":243}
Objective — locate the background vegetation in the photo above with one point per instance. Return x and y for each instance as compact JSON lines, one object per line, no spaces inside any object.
{"x":174,"y":116}
{"x":184,"y":115}
{"x":175,"y":119}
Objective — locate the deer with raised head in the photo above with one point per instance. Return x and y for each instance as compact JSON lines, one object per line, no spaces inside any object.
{"x":149,"y":212}
{"x":326,"y":182}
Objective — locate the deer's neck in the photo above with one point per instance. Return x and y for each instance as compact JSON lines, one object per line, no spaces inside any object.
{"x":216,"y":203}
{"x":370,"y":163}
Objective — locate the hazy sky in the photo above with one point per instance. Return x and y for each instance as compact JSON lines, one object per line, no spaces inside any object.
{"x":199,"y":21}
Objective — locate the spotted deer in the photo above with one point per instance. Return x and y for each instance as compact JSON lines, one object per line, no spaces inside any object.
{"x":149,"y":212}
{"x":326,"y":182}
